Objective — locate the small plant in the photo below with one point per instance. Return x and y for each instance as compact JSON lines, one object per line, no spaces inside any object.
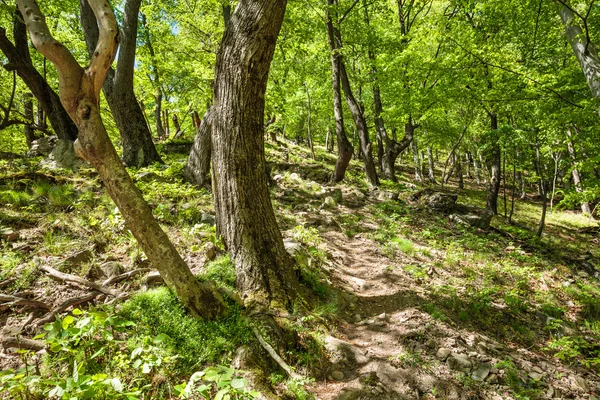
{"x":218,"y":383}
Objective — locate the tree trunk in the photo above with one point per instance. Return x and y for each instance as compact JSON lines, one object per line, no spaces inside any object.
{"x":177,"y":125}
{"x":542,"y":189}
{"x":308,"y":133}
{"x":585,"y":206}
{"x":459,"y":170}
{"x":79,"y":93}
{"x":495,"y":161}
{"x":345,"y":149}
{"x":245,"y":217}
{"x":586,"y":52}
{"x":138,"y":147}
{"x":416,"y":161}
{"x":19,"y":60}
{"x":431,"y":166}
{"x":197,"y":168}
{"x":28,"y":130}
{"x":394,"y":148}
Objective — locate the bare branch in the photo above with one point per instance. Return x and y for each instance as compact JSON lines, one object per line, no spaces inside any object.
{"x":108,"y":43}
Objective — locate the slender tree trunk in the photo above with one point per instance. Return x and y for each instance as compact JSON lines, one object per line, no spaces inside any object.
{"x":177,"y":125}
{"x":28,"y":114}
{"x":514,"y":189}
{"x":394,"y":148}
{"x":138,"y":146}
{"x":80,"y":92}
{"x":345,"y":149}
{"x":459,"y":170}
{"x":415,"y":151}
{"x":308,"y":133}
{"x":245,"y":217}
{"x":431,"y":166}
{"x":494,"y":187}
{"x":477,"y":169}
{"x":160,"y":130}
{"x":19,"y":60}
{"x":542,"y":189}
{"x":585,"y":206}
{"x":197,"y":169}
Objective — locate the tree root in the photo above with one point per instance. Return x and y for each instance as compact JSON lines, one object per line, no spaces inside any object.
{"x":274,"y":355}
{"x":60,"y":276}
{"x":10,"y":300}
{"x":66,"y":304}
{"x":125,"y":275}
{"x":21,"y":343}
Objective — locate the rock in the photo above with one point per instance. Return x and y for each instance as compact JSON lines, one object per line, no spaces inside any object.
{"x":208,"y":219}
{"x":79,"y":258}
{"x":385,"y":195}
{"x":337,"y":375}
{"x":439,"y":201}
{"x":492,"y":379}
{"x":536,"y":376}
{"x":482,"y":372}
{"x":336,"y":194}
{"x":477,"y":217}
{"x":62,"y":156}
{"x":459,"y":362}
{"x":111,"y":268}
{"x":583,"y":274}
{"x":154,"y":279}
{"x":8,"y":234}
{"x":277,"y":178}
{"x":297,"y":251}
{"x":442,"y":353}
{"x":579,"y":384}
{"x":147,"y":176}
{"x":211,"y":251}
{"x":329,"y":203}
{"x":350,"y":394}
{"x":42,"y":146}
{"x":294,"y":176}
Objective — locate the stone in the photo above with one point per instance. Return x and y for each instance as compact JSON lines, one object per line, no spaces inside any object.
{"x":459,"y":362}
{"x":297,"y":251}
{"x":329,"y":203}
{"x":294,"y":176}
{"x":336,"y":194}
{"x":42,"y":146}
{"x":79,"y":258}
{"x":476,"y":217}
{"x":208,"y":219}
{"x":154,"y":279}
{"x":536,"y":376}
{"x":111,"y":268}
{"x":211,"y":251}
{"x":277,"y":178}
{"x":583,"y":274}
{"x":439,"y":201}
{"x":481,"y":372}
{"x":62,"y":156}
{"x":580,"y":384}
{"x":492,"y":379}
{"x":385,"y":195}
{"x":147,"y":176}
{"x":443,"y":353}
{"x":337,"y":375}
{"x":350,"y":394}
{"x":8,"y":234}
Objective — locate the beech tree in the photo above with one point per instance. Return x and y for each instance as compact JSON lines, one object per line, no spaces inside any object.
{"x":79,"y":93}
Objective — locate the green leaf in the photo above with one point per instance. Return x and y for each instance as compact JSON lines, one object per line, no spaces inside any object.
{"x":238,"y":383}
{"x":146,"y":368}
{"x":221,"y":393}
{"x":67,"y":321}
{"x":77,"y":311}
{"x":116,"y":384}
{"x":161,"y":338}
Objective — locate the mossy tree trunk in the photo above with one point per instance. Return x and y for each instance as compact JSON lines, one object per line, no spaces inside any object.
{"x":79,"y":93}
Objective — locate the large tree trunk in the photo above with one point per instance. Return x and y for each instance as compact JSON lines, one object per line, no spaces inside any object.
{"x":19,"y":60}
{"x":79,"y":94}
{"x":245,"y":217}
{"x":197,"y":168}
{"x":586,"y":52}
{"x":138,"y":147}
{"x":585,"y":206}
{"x":495,"y":161}
{"x":345,"y":149}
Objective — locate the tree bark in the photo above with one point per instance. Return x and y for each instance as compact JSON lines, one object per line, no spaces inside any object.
{"x":585,"y":206}
{"x":79,"y":94}
{"x":345,"y":149}
{"x":542,"y":186}
{"x":586,"y":52}
{"x":394,"y":148}
{"x":136,"y":138}
{"x":416,"y":161}
{"x":19,"y":60}
{"x":308,"y":133}
{"x":28,"y":130}
{"x":245,"y":217}
{"x":495,"y":161}
{"x":197,"y":169}
{"x":431,"y":166}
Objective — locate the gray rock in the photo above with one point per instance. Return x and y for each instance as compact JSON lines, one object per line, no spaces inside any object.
{"x":79,"y":258}
{"x":147,"y":176}
{"x":580,"y":384}
{"x":481,"y":372}
{"x":154,"y":279}
{"x":337,"y":375}
{"x":492,"y":379}
{"x":336,"y":194}
{"x":62,"y":156}
{"x":536,"y":376}
{"x":459,"y":362}
{"x":385,"y":195}
{"x":477,"y":217}
{"x":42,"y":146}
{"x":440,"y":201}
{"x":208,"y":219}
{"x":329,"y":203}
{"x":297,"y":251}
{"x":442,"y":353}
{"x":211,"y":251}
{"x":111,"y":268}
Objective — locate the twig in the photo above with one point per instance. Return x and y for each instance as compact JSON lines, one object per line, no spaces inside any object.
{"x":76,"y":279}
{"x":274,"y":355}
{"x":125,"y":275}
{"x":66,"y":304}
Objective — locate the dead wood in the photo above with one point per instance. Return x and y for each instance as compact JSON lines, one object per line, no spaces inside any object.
{"x":125,"y":275}
{"x":61,"y":276}
{"x":10,"y":300}
{"x":21,"y":343}
{"x":63,"y":306}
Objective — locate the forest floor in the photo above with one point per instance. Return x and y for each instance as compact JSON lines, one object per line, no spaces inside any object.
{"x":409,"y":304}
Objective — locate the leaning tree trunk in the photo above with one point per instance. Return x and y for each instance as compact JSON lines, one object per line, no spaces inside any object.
{"x":494,"y":187}
{"x":394,"y":148}
{"x":19,"y":60}
{"x":197,"y":169}
{"x":79,"y":93}
{"x":245,"y":217}
{"x":136,"y":138}
{"x":585,"y":206}
{"x":345,"y":149}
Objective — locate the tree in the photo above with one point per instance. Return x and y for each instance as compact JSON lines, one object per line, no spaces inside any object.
{"x":138,"y":147}
{"x":245,"y":216}
{"x":79,"y":94}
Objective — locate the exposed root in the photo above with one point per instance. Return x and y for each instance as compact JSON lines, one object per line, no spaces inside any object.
{"x":125,"y":275}
{"x":60,"y":276}
{"x":274,"y":355}
{"x":21,"y":343}
{"x":8,"y":300}
{"x":68,"y":303}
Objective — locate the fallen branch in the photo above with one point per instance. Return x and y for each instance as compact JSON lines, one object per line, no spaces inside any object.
{"x":274,"y":355}
{"x":7,"y":282}
{"x":55,"y":274}
{"x":10,"y":300}
{"x":66,"y":304}
{"x":125,"y":275}
{"x":21,"y":343}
